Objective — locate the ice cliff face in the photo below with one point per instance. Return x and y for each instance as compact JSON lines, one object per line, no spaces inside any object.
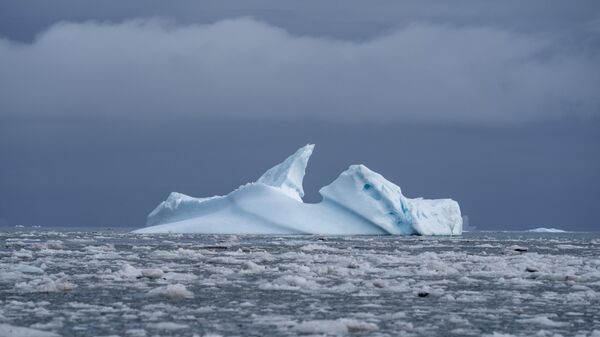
{"x":359,"y":201}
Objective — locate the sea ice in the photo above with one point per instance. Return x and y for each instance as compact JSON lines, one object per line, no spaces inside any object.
{"x":153,"y":273}
{"x":167,"y":326}
{"x":359,"y":201}
{"x":301,"y":285}
{"x":543,"y":321}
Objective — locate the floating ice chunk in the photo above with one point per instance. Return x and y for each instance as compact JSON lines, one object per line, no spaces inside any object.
{"x":291,"y":282}
{"x":7,"y":330}
{"x":251,"y":267}
{"x":379,"y":283}
{"x":334,"y":327}
{"x":180,"y":277}
{"x":136,"y":332}
{"x":23,"y":254}
{"x":359,"y":201}
{"x":55,"y":323}
{"x":24,"y":268}
{"x":54,"y":244}
{"x":316,"y":247}
{"x":128,"y":271}
{"x":45,"y":284}
{"x":173,"y":291}
{"x":167,"y":326}
{"x":153,"y":273}
{"x":542,"y":321}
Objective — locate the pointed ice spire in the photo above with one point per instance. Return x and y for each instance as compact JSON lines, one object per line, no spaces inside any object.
{"x":289,"y":174}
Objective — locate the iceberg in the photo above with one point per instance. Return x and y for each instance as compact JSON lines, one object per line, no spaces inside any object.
{"x":359,"y":201}
{"x":546,"y":230}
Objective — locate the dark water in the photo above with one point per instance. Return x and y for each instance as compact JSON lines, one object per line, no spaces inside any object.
{"x":111,"y":283}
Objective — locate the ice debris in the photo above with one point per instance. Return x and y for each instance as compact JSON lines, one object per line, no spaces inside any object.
{"x":7,"y":330}
{"x":334,"y":327}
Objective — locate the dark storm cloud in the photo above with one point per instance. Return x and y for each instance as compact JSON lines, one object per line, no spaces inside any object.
{"x":243,"y":68}
{"x":347,"y":19}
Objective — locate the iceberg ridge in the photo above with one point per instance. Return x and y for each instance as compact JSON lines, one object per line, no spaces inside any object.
{"x":359,"y":201}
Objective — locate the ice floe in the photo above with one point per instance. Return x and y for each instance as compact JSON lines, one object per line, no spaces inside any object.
{"x":547,"y":230}
{"x":334,"y":327}
{"x":469,"y":285}
{"x":7,"y":330}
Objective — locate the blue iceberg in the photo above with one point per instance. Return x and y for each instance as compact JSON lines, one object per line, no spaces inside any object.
{"x":359,"y":201}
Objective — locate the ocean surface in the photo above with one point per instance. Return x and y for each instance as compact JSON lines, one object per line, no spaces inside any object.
{"x":112,"y":283}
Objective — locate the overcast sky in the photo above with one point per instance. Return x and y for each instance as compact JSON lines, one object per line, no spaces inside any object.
{"x":106,"y":107}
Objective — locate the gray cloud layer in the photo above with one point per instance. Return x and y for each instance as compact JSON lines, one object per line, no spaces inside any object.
{"x":243,"y":68}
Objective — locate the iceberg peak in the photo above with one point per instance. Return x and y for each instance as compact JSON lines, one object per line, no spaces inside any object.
{"x":289,"y":174}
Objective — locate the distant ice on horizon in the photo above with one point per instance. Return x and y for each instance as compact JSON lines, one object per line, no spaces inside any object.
{"x":547,"y":230}
{"x":359,"y":201}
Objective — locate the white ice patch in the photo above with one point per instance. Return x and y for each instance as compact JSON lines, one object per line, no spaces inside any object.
{"x":136,"y":332}
{"x":180,"y":277}
{"x":314,"y":247}
{"x":251,"y":267}
{"x":128,"y":271}
{"x":45,"y":284}
{"x":7,"y":330}
{"x":167,"y":326}
{"x":542,"y":320}
{"x":291,"y":282}
{"x":152,"y":273}
{"x":56,"y":323}
{"x":22,"y":254}
{"x":334,"y":327}
{"x":13,"y":272}
{"x":172,"y":291}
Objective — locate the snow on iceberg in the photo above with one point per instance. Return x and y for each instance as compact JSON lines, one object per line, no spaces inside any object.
{"x":359,"y":201}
